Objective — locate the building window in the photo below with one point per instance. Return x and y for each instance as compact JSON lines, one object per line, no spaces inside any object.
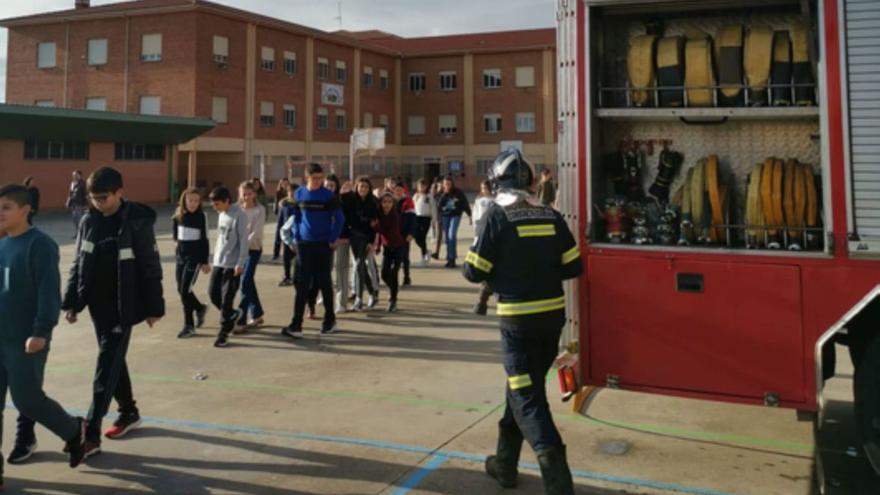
{"x":323,"y":118}
{"x":219,"y":109}
{"x":35,"y":149}
{"x":383,"y":122}
{"x":416,"y":125}
{"x":492,"y":123}
{"x":447,"y":81}
{"x":290,"y":116}
{"x":97,"y":52}
{"x":289,"y":63}
{"x":221,"y":49}
{"x":151,"y":47}
{"x":368,"y":77}
{"x":96,"y":103}
{"x":46,"y":55}
{"x":267,"y":59}
{"x":525,"y":77}
{"x":525,"y":122}
{"x":368,"y":120}
{"x":417,"y":82}
{"x":323,"y":69}
{"x":483,"y":166}
{"x":150,"y":105}
{"x":383,"y":79}
{"x":341,"y":123}
{"x":140,"y":152}
{"x":448,"y":125}
{"x":267,"y":114}
{"x":492,"y":78}
{"x":45,"y":103}
{"x":341,"y":71}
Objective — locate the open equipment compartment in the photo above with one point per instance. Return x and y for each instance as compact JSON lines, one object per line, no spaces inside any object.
{"x":633,"y":125}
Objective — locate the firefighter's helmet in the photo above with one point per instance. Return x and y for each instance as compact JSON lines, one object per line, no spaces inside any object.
{"x":511,"y":171}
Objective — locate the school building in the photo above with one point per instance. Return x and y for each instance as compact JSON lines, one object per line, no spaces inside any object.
{"x":283,"y":94}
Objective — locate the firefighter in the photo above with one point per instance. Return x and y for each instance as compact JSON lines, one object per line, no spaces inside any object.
{"x":524,"y":252}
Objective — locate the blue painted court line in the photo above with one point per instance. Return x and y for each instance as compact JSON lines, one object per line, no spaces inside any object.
{"x":414,"y":449}
{"x":414,"y":479}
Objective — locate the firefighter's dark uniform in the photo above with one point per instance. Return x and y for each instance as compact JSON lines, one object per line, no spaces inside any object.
{"x":524,"y":253}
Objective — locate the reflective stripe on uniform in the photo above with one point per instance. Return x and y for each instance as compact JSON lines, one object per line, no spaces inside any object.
{"x":531,"y":307}
{"x":540,"y":230}
{"x":518,"y":382}
{"x":126,"y":254}
{"x":571,"y":255}
{"x":87,"y":247}
{"x":479,"y":263}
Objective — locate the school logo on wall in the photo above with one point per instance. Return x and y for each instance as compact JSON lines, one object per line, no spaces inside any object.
{"x":332,"y":94}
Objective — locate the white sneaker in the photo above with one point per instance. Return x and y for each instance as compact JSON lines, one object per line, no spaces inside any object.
{"x":358,"y":305}
{"x":339,"y":309}
{"x":372,"y":302}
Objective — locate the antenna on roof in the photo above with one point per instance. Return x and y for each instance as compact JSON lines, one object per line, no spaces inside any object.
{"x":339,"y":16}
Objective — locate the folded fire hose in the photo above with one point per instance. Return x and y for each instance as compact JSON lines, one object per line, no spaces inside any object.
{"x":802,"y":68}
{"x":780,"y":74}
{"x":699,"y":76}
{"x":717,"y":197}
{"x":698,"y":200}
{"x":640,"y":65}
{"x":730,"y":65}
{"x":757,"y":56}
{"x":670,"y":71}
{"x":754,"y":213}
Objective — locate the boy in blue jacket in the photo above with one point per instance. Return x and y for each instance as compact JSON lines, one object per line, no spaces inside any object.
{"x":30,"y":302}
{"x":315,"y":227}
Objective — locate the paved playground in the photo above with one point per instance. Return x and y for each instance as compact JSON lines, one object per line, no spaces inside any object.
{"x":392,"y":404}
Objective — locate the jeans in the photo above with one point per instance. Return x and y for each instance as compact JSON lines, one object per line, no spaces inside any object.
{"x":77,"y":212}
{"x":250,"y":300}
{"x":450,"y":229}
{"x":529,"y":346}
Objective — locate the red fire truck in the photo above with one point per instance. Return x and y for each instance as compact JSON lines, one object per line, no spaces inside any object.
{"x":762,"y":251}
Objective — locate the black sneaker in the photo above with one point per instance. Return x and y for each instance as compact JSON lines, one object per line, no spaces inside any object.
{"x":123,"y":424}
{"x":436,"y":256}
{"x":187,"y":332}
{"x":22,"y":452}
{"x":91,"y":449}
{"x":481,"y":309}
{"x":392,"y":306}
{"x":449,"y":264}
{"x":200,"y":316}
{"x":285,"y":282}
{"x":222,"y":340}
{"x":328,"y":327}
{"x":293,"y":331}
{"x":75,"y":447}
{"x":407,"y":282}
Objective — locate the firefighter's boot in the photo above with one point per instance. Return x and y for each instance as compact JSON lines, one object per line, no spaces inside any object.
{"x":555,"y":472}
{"x":502,"y":465}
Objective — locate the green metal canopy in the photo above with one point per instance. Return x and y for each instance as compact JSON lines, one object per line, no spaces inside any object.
{"x":19,"y":122}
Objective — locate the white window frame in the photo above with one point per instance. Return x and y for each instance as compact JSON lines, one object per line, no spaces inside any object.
{"x":492,"y":123}
{"x":368,"y":120}
{"x":267,"y":59}
{"x":383,"y":79}
{"x":523,"y":118}
{"x":368,"y":77}
{"x":95,"y":56}
{"x":448,"y":80}
{"x":416,"y":125}
{"x":447,"y":124}
{"x":267,"y":114}
{"x":525,"y":76}
{"x":341,"y":117}
{"x":146,"y":103}
{"x":323,"y":68}
{"x":290,"y":65}
{"x":151,"y":47}
{"x":47,"y":54}
{"x":324,"y":114}
{"x":417,"y":82}
{"x":341,"y":71}
{"x":221,"y":49}
{"x":220,"y":109}
{"x":289,"y":110}
{"x":96,"y":103}
{"x":492,"y":78}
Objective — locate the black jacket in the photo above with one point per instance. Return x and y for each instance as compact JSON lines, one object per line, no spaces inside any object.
{"x":453,"y":204}
{"x":190,"y":248}
{"x":360,"y":214}
{"x":140,"y":268}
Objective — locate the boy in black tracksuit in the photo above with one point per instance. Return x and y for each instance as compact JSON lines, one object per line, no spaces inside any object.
{"x":190,"y":230}
{"x":117,"y":275}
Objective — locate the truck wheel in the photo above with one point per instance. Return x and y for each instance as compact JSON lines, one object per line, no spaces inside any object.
{"x":866,"y":391}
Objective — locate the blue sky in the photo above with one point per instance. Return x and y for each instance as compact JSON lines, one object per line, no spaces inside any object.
{"x":402,"y":17}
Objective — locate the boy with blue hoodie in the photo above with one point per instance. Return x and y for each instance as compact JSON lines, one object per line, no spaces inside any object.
{"x":30,"y":302}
